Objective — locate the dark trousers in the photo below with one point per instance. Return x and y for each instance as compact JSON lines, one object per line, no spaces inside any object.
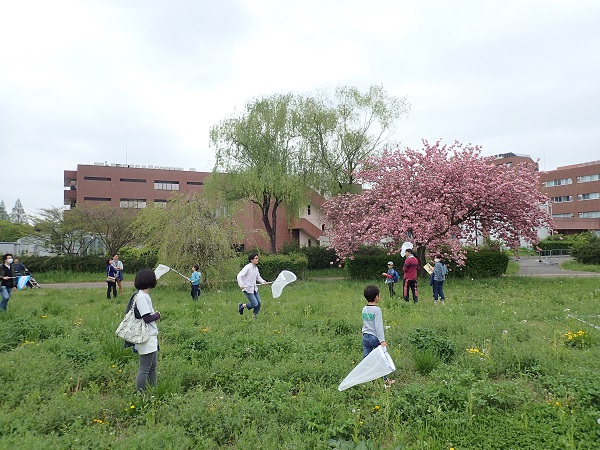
{"x":410,"y":285}
{"x":438,"y":290}
{"x":195,"y":291}
{"x":391,"y":288}
{"x":111,"y":285}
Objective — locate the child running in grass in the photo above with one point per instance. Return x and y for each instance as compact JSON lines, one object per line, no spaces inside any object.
{"x":373,"y":335}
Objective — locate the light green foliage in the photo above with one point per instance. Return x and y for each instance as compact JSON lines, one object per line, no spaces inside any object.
{"x":187,"y":232}
{"x":260,"y":154}
{"x":341,"y":131}
{"x":230,"y":381}
{"x":64,"y":230}
{"x":11,"y":232}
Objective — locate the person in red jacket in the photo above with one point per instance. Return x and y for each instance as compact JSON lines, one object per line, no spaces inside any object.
{"x":411,"y":269}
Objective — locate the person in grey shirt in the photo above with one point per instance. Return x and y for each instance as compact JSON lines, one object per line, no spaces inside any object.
{"x":373,"y":334}
{"x":439,"y":275}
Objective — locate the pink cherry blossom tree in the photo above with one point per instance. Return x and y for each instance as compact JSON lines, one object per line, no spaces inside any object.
{"x":439,"y":197}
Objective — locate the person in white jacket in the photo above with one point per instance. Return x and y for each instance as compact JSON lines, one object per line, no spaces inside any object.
{"x":248,"y":280}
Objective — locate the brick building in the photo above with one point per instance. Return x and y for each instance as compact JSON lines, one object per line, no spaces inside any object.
{"x":129,"y":186}
{"x":574,"y":192}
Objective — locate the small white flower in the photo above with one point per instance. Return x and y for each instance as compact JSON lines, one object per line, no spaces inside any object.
{"x":523,"y":321}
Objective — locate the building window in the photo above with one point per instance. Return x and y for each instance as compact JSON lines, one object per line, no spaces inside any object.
{"x":563,"y":199}
{"x":590,"y":196}
{"x":160,"y":203}
{"x":589,"y":214}
{"x":195,"y":183}
{"x":563,"y":215}
{"x":97,"y":178}
{"x":97,"y":199}
{"x":323,"y":227}
{"x":588,"y":178}
{"x":161,"y":185}
{"x":561,"y":182}
{"x":308,"y":210}
{"x":132,"y":180}
{"x":136,"y":203}
{"x":310,"y":242}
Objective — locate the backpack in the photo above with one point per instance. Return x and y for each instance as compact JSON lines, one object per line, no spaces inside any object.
{"x":396,"y":277}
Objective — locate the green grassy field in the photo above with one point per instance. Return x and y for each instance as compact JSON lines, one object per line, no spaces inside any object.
{"x":500,"y":366}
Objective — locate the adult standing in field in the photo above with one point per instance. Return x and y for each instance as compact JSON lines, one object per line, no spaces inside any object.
{"x":111,"y":278}
{"x":145,"y":280}
{"x":439,"y":275}
{"x":119,"y":266}
{"x":411,"y":269}
{"x":248,"y":279}
{"x":8,"y":279}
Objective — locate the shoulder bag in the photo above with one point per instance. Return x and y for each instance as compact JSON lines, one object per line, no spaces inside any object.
{"x":132,"y":329}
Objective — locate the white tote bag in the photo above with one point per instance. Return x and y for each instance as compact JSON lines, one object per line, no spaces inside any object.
{"x":132,"y":329}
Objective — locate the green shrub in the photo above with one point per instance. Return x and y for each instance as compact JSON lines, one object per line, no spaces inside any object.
{"x":370,"y":267}
{"x":587,"y":252}
{"x":428,"y":340}
{"x":425,"y":361}
{"x":320,"y":257}
{"x":271,"y":265}
{"x":481,"y":263}
{"x":561,"y":242}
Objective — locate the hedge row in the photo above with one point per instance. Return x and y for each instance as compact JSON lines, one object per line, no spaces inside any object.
{"x":272,"y":265}
{"x":41,"y":264}
{"x":479,"y":264}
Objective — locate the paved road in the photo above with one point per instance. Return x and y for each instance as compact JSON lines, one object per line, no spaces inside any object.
{"x":533,"y":266}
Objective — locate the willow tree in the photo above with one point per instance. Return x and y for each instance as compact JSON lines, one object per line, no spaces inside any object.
{"x":259,"y":158}
{"x":187,"y":231}
{"x":340,"y":132}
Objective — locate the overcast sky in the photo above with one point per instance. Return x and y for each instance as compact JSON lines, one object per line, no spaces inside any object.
{"x":142,"y":81}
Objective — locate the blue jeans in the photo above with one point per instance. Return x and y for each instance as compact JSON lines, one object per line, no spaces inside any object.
{"x":438,"y":290}
{"x":370,"y":343}
{"x":253,"y":301}
{"x":5,"y":297}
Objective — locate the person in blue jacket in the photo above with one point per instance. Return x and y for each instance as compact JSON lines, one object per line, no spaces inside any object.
{"x":195,"y":281}
{"x":391,"y":277}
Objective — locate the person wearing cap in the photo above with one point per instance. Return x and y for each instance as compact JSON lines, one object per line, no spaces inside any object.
{"x":411,"y":269}
{"x":391,"y":277}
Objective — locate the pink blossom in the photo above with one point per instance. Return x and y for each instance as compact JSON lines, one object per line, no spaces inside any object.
{"x":443,"y":194}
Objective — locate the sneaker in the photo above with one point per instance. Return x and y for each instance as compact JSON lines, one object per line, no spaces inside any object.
{"x":241,"y":309}
{"x":443,"y":302}
{"x":389,"y":382}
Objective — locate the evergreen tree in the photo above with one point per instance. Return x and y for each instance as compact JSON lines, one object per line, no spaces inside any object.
{"x":3,"y":214}
{"x":18,"y":213}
